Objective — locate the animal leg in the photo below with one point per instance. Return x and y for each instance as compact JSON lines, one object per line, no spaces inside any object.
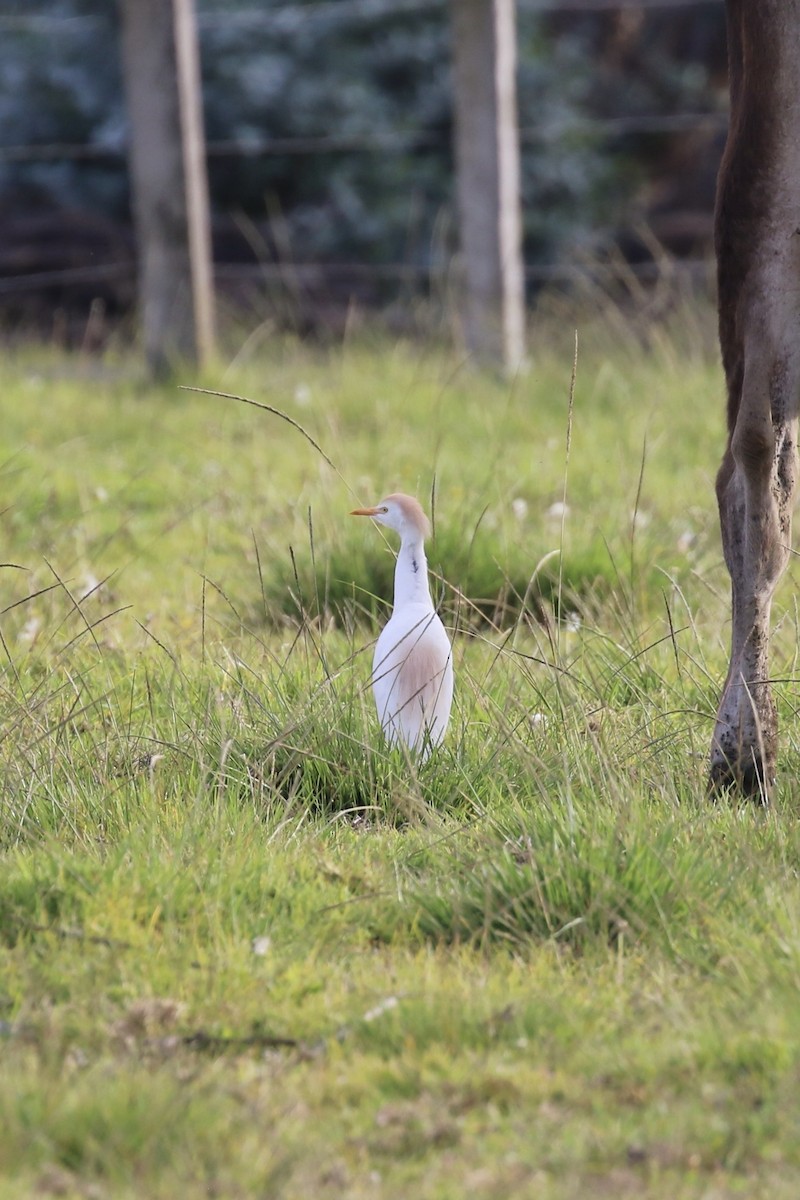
{"x":755,"y":489}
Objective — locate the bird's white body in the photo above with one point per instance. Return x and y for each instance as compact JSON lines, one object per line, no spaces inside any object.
{"x":412,"y":677}
{"x":412,"y":669}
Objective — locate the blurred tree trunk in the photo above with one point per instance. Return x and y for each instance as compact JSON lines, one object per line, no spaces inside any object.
{"x":169,"y":180}
{"x":488,"y":179}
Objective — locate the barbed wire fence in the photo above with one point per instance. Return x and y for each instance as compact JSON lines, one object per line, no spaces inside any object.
{"x":286,"y":17}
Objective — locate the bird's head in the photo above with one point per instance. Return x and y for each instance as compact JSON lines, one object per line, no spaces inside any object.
{"x":402,"y":513}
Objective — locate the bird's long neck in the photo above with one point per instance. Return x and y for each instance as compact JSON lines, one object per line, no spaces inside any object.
{"x":411,"y":574}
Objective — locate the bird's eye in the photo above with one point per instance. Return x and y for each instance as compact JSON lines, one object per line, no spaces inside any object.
{"x":384,"y":508}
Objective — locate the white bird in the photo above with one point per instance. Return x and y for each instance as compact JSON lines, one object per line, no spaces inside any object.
{"x":412,"y":669}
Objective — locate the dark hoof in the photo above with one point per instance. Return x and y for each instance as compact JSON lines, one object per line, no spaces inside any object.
{"x":749,"y":779}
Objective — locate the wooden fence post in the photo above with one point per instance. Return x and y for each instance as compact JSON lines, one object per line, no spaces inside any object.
{"x":168,"y":180}
{"x":488,"y":179}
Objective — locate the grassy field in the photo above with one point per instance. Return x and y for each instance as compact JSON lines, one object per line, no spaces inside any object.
{"x":245,"y":951}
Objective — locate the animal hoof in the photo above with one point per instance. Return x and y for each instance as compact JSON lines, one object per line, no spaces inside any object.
{"x":751,"y":778}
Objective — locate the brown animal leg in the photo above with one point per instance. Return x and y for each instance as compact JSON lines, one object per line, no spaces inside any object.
{"x":757,"y":235}
{"x":755,"y":490}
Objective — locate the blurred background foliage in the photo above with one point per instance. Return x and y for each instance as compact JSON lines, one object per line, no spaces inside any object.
{"x":357,"y":94}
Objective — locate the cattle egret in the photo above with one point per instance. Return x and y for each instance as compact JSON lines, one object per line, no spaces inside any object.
{"x":412,"y":669}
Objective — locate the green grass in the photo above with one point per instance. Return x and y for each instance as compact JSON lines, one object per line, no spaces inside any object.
{"x":245,"y":950}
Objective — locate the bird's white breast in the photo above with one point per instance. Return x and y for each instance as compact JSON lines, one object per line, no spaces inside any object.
{"x":413,"y":676}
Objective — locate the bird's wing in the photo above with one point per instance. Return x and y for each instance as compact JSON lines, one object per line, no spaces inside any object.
{"x":423,"y":668}
{"x":413,"y":677}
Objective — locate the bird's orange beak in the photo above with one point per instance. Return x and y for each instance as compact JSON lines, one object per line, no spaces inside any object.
{"x":365,"y":512}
